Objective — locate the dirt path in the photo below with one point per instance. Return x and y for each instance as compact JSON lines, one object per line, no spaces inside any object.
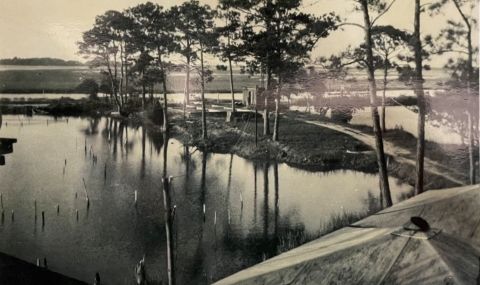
{"x":397,"y":152}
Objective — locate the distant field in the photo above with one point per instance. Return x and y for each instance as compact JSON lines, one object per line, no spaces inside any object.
{"x":48,"y":80}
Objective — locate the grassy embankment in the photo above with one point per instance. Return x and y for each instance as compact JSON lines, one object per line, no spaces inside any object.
{"x":301,"y":145}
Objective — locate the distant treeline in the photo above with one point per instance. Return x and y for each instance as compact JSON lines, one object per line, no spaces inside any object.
{"x":39,"y":61}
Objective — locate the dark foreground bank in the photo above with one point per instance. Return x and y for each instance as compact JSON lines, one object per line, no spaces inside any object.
{"x":14,"y":271}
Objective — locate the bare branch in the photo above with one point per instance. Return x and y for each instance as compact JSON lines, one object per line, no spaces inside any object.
{"x":381,"y":14}
{"x":350,"y":24}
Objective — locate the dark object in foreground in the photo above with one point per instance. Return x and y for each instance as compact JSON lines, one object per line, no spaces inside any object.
{"x":6,"y":147}
{"x":14,"y":271}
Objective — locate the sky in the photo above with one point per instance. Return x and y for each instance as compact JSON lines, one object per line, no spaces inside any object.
{"x":51,"y":28}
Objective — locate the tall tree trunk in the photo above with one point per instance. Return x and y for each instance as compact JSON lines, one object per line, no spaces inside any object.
{"x":126,"y":76}
{"x":121,"y":73}
{"x":385,"y":74}
{"x":470,"y":147}
{"x":382,"y":165}
{"x":143,"y":90}
{"x":231,"y":75}
{"x":231,"y":84}
{"x":202,"y":86}
{"x":469,"y":91}
{"x":277,"y":112}
{"x":266,"y":119}
{"x":187,"y":79}
{"x":421,"y":102}
{"x":164,"y":83}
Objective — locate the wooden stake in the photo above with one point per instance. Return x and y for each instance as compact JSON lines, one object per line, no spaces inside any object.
{"x":35,"y":205}
{"x":169,"y":230}
{"x":43,"y":218}
{"x":229,"y":216}
{"x":65,"y":161}
{"x":85,"y":188}
{"x":105,"y":172}
{"x":204,"y":213}
{"x":77,"y":214}
{"x":58,"y":208}
{"x":135,"y":197}
{"x":13,"y":215}
{"x":38,"y":262}
{"x":241,"y":200}
{"x":215,"y":219}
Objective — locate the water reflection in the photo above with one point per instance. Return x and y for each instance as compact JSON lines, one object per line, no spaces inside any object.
{"x":112,"y":234}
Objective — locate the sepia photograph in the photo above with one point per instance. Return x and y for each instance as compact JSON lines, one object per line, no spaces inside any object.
{"x":238,"y":142}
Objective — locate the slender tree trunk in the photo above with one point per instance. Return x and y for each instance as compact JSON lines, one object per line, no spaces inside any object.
{"x":385,"y":74}
{"x":231,"y":84}
{"x":266,"y":120}
{"x":421,"y":102}
{"x":126,"y":76}
{"x":231,"y":75}
{"x":121,"y":73}
{"x":382,"y":165}
{"x":202,"y":86}
{"x":469,"y":81}
{"x":164,"y":83}
{"x":469,"y":92}
{"x":143,"y":90}
{"x":277,"y":112}
{"x":187,"y":79}
{"x":470,"y":148}
{"x":276,"y":124}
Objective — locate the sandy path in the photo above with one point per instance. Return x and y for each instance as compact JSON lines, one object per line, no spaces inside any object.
{"x":395,"y":151}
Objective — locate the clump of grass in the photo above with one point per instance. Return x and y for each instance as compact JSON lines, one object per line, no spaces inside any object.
{"x":337,"y":221}
{"x":292,"y":239}
{"x":297,"y":237}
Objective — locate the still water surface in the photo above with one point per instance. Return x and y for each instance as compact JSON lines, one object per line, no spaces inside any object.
{"x":112,"y":234}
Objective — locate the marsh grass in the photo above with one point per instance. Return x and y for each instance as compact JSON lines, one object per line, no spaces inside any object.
{"x":295,"y":238}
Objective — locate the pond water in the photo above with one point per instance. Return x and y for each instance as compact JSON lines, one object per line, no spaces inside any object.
{"x":53,"y":156}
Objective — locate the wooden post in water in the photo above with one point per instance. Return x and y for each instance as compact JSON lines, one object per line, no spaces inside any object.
{"x":58,"y":208}
{"x":169,"y":230}
{"x":35,"y":205}
{"x":85,"y":188}
{"x":241,"y":200}
{"x":43,"y":218}
{"x":135,"y":197}
{"x":77,"y":214}
{"x":204,"y":213}
{"x":105,"y":172}
{"x":13,"y":215}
